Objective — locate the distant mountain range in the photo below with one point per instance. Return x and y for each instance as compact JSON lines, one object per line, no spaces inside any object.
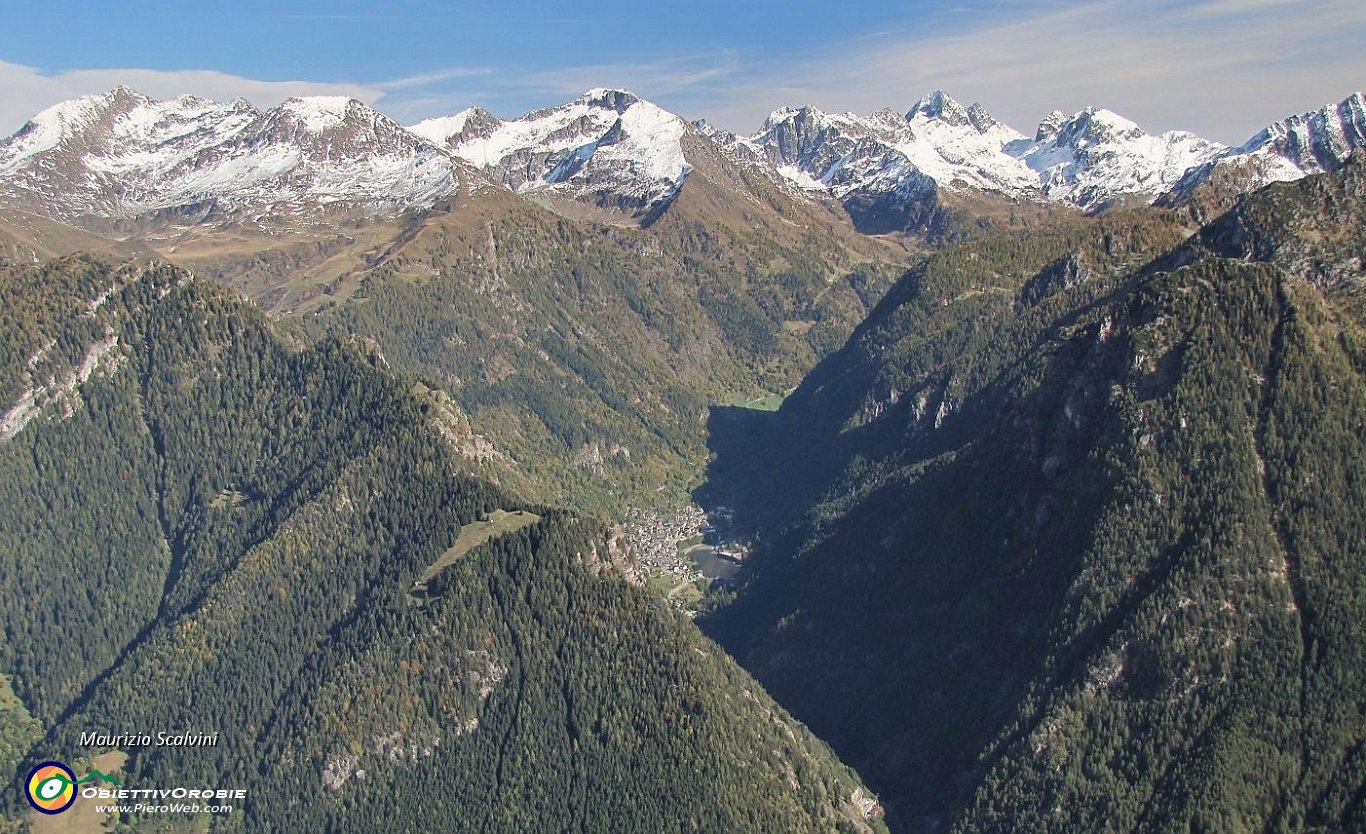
{"x":125,"y":157}
{"x":1091,"y":159}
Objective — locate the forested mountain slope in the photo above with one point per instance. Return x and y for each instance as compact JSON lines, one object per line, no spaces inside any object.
{"x":1079,"y":541}
{"x":208,"y":530}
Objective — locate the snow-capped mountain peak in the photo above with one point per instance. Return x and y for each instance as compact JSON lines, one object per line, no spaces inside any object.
{"x":319,"y":114}
{"x":939,"y":105}
{"x":1306,"y":143}
{"x":124,"y":155}
{"x":881,"y":166}
{"x":1097,"y":157}
{"x":1049,"y":126}
{"x":439,"y":129}
{"x":449,"y":131}
{"x":334,"y":126}
{"x":67,"y":121}
{"x":1090,"y":159}
{"x":1314,"y":141}
{"x":608,"y":149}
{"x":984,"y":121}
{"x":609,"y":98}
{"x":1094,"y":126}
{"x":807,"y":114}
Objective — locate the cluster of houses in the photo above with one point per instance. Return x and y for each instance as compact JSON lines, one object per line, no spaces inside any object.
{"x":659,"y":540}
{"x":654,"y":537}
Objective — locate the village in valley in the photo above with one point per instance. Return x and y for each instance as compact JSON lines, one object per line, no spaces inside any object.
{"x":685,"y":552}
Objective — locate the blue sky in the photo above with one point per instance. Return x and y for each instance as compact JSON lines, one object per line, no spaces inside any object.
{"x":1222,"y":68}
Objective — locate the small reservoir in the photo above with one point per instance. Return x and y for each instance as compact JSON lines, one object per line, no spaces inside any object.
{"x":712,"y":564}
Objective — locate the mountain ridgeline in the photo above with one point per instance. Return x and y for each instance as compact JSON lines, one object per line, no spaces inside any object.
{"x":123,"y":162}
{"x":211,"y":530}
{"x":1069,"y":537}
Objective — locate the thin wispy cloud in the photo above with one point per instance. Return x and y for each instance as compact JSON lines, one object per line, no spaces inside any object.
{"x":428,"y":79}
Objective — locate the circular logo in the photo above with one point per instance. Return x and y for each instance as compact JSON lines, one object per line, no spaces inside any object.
{"x":51,"y":787}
